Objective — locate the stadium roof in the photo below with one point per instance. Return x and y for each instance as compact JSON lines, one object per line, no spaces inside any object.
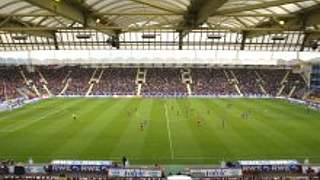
{"x":292,"y":25}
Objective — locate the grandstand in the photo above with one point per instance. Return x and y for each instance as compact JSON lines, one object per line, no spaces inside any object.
{"x":159,"y":89}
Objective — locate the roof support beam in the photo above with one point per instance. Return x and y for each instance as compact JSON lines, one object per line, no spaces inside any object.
{"x":12,"y":23}
{"x":313,"y":18}
{"x":200,"y":10}
{"x":150,"y":14}
{"x":257,"y":15}
{"x":256,"y":6}
{"x":68,"y":11}
{"x":61,"y":8}
{"x":302,"y":20}
{"x":157,"y":5}
{"x":198,"y":13}
{"x":155,"y":27}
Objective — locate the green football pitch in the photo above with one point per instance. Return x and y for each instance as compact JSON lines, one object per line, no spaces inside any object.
{"x":165,"y":131}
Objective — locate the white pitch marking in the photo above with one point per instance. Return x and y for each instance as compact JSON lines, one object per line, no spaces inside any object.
{"x":169,"y":132}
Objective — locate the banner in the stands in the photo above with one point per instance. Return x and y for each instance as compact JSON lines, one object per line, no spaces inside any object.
{"x":32,"y":169}
{"x":85,"y":166}
{"x":270,"y":166}
{"x":135,"y":172}
{"x":215,"y":172}
{"x":268,"y":162}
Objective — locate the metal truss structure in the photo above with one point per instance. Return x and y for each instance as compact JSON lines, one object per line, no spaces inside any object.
{"x":261,"y":25}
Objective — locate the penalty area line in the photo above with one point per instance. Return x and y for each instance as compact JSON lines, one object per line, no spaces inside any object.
{"x":169,"y":132}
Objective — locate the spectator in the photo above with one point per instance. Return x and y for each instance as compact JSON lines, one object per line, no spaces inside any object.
{"x":164,"y":82}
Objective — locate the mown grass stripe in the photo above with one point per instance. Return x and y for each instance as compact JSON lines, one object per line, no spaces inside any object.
{"x":169,"y":132}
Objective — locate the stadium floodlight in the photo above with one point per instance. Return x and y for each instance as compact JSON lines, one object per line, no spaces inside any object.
{"x":278,"y":38}
{"x":148,"y":36}
{"x":282,"y":22}
{"x":22,"y":37}
{"x":83,"y":36}
{"x":214,"y":36}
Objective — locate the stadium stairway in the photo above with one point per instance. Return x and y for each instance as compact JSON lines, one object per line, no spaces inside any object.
{"x":45,"y":87}
{"x":65,"y":86}
{"x":90,"y":89}
{"x":3,"y":93}
{"x":36,"y":90}
{"x":281,"y":90}
{"x":25,"y":92}
{"x":258,"y":75}
{"x":283,"y":84}
{"x":226,"y":74}
{"x":304,"y":77}
{"x":187,"y":79}
{"x":30,"y":83}
{"x":22,"y":93}
{"x":44,"y":83}
{"x":285,"y":77}
{"x":260,"y":83}
{"x":238,"y":89}
{"x":262,"y":89}
{"x":292,"y":91}
{"x":233,"y":79}
{"x":189,"y":89}
{"x":295,"y":88}
{"x":66,"y":82}
{"x":94,"y":80}
{"x":139,"y":86}
{"x":67,"y":77}
{"x":23,"y":77}
{"x":140,"y":79}
{"x":94,"y":74}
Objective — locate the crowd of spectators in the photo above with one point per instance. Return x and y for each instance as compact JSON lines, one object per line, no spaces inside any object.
{"x":34,"y":79}
{"x":116,"y":81}
{"x":10,"y":81}
{"x":297,"y":81}
{"x":2,"y":92}
{"x":211,"y":82}
{"x":164,"y":82}
{"x":56,"y":77}
{"x":271,"y":79}
{"x":315,"y":95}
{"x":248,"y":81}
{"x":159,"y":81}
{"x":79,"y":81}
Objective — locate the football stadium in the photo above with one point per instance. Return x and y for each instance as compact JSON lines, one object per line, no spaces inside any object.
{"x":159,"y":89}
